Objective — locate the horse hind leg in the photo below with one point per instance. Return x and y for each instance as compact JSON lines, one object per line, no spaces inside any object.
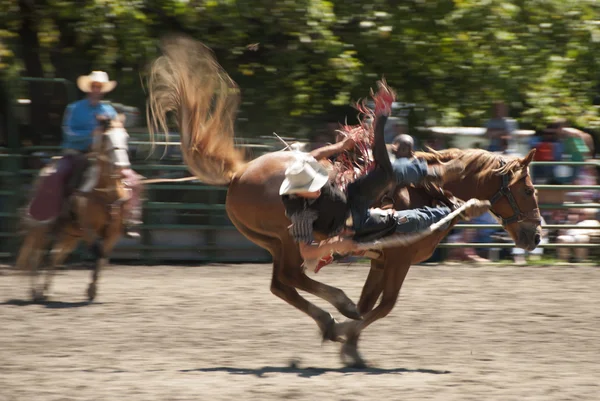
{"x":281,"y":261}
{"x":30,"y":257}
{"x":60,"y":251}
{"x":27,"y":247}
{"x":289,"y":294}
{"x":293,"y":275}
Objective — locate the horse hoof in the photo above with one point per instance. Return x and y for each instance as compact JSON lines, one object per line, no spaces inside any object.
{"x":357,"y":365}
{"x":351,"y":312}
{"x":37,"y":296}
{"x":351,"y":357}
{"x":328,"y":333}
{"x":91,"y":292}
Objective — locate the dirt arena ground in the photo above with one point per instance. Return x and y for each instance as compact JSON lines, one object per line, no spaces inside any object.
{"x":217,"y":333}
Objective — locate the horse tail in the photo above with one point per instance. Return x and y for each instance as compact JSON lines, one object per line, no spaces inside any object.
{"x":188,"y":82}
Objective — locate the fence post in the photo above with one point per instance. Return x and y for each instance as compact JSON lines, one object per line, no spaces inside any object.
{"x":12,"y":178}
{"x":146,"y":235}
{"x":211,"y":235}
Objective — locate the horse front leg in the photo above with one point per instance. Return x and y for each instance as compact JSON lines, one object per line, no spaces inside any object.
{"x":101,"y":250}
{"x":393,"y":278}
{"x":372,"y":289}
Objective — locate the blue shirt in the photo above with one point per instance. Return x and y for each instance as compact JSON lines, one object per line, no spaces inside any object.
{"x":557,"y":147}
{"x":505,"y":124}
{"x":80,"y":121}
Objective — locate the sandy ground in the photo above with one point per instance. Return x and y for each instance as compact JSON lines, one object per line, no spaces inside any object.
{"x":217,"y":333}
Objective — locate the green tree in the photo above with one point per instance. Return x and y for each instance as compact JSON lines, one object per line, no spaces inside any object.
{"x":458,"y":56}
{"x":298,"y":60}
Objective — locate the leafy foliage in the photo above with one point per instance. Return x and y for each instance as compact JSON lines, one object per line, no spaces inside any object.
{"x":296,"y":60}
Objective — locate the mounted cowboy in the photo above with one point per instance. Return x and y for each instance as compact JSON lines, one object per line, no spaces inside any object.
{"x":314,"y":204}
{"x":75,"y":173}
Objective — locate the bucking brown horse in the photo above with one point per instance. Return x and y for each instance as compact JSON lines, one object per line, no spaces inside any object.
{"x":188,"y":82}
{"x":95,"y":217}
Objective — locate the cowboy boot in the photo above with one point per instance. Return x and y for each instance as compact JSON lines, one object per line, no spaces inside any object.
{"x":129,"y":230}
{"x":443,"y":173}
{"x":130,"y":222}
{"x":475,"y":208}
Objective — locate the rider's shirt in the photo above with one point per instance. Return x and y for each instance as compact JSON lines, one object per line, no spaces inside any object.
{"x":80,"y":121}
{"x":326,"y":214}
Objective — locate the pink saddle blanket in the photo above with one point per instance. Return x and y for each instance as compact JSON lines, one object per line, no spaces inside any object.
{"x":49,"y":197}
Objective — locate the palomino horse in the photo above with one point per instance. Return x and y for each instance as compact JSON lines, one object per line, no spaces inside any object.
{"x":98,"y":214}
{"x":187,"y":81}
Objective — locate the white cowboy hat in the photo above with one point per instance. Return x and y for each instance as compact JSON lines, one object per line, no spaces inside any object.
{"x":304,"y":175}
{"x":84,"y":82}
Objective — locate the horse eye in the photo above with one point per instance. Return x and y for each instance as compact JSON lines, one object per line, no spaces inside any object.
{"x":529,"y":191}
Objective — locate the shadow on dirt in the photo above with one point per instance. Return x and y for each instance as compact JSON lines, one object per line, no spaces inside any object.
{"x":48,"y":304}
{"x":312,"y":372}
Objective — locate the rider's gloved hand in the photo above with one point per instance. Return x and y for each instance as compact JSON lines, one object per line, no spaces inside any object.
{"x":384,"y":99}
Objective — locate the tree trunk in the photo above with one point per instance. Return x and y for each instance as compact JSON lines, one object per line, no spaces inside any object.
{"x":30,"y":54}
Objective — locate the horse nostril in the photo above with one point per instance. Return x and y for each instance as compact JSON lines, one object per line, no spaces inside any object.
{"x":537,"y":238}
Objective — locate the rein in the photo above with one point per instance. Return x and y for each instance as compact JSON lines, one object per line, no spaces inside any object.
{"x":147,"y":180}
{"x":518,"y":216}
{"x":157,"y":180}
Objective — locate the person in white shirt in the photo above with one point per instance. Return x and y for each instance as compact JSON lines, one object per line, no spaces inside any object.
{"x":578,"y":235}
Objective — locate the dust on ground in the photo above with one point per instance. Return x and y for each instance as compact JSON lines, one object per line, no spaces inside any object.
{"x":216,"y":332}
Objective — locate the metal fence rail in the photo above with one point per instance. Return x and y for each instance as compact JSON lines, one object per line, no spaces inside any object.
{"x":187,"y":221}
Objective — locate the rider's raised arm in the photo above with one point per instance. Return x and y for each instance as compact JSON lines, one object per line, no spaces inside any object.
{"x":330,"y":150}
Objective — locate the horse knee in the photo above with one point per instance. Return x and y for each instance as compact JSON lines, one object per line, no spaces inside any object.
{"x":386,"y":306}
{"x":366,"y":304}
{"x":278,"y":289}
{"x":290,"y":277}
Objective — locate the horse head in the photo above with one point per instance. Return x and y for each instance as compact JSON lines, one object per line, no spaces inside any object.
{"x":111,"y":147}
{"x":505,"y":182}
{"x":514,"y":202}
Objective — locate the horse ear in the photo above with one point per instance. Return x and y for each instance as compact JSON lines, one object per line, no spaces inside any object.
{"x":527,"y":159}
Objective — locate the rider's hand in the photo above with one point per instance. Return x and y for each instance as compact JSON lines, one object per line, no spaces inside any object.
{"x":384,"y":99}
{"x":348,"y":143}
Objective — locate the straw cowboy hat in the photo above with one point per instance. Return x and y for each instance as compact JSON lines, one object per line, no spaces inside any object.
{"x":84,"y":82}
{"x":305,"y":174}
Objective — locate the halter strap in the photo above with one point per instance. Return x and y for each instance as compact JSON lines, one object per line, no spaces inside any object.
{"x":518,"y":216}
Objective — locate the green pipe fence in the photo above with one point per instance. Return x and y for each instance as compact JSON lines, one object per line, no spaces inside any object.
{"x":188,"y":221}
{"x":510,"y":245}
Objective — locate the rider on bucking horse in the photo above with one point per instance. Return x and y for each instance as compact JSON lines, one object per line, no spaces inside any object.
{"x":80,"y":120}
{"x":314,"y":203}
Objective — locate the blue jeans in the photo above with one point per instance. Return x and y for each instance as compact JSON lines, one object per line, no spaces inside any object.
{"x":364,"y":191}
{"x":409,"y":171}
{"x":410,"y":221}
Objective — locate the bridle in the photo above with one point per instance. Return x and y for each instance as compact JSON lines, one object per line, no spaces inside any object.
{"x":518,"y":216}
{"x":103,"y":155}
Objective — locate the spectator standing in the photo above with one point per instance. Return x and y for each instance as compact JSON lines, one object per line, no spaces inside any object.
{"x":501,"y":128}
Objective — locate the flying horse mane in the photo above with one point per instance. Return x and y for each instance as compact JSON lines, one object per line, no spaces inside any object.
{"x":348,"y":166}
